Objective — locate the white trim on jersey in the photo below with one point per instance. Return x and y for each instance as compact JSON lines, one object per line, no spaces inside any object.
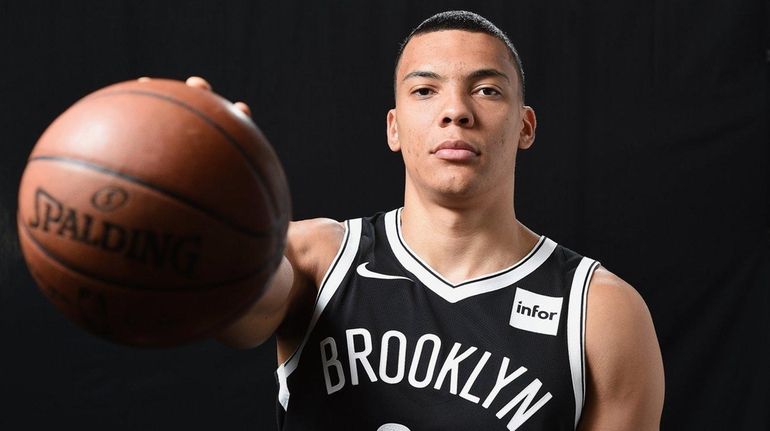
{"x":331,"y":282}
{"x":576,"y":330}
{"x":476,"y":286}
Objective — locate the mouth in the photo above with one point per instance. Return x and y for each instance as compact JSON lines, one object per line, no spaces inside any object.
{"x":455,"y":150}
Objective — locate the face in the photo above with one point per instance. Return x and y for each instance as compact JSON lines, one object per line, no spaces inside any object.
{"x":458,"y":120}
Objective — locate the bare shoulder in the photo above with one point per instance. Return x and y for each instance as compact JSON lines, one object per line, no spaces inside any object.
{"x":625,"y":369}
{"x":312,"y":245}
{"x":610,"y":298}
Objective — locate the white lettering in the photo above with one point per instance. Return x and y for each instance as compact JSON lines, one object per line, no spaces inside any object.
{"x":391,"y":369}
{"x":354,"y":356}
{"x":451,"y":366}
{"x":465,"y":392}
{"x":502,"y":381}
{"x":384,"y":357}
{"x":436,"y":341}
{"x":331,"y":361}
{"x":524,"y":397}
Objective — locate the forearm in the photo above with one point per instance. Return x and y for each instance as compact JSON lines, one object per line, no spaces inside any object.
{"x":263,"y":317}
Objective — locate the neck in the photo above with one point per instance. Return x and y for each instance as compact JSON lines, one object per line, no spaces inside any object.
{"x":464,"y":242}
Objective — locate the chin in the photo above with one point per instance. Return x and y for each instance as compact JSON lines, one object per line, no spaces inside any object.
{"x":455,"y":186}
{"x":456,"y":190}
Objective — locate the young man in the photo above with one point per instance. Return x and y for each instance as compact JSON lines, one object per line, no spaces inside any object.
{"x":449,"y":313}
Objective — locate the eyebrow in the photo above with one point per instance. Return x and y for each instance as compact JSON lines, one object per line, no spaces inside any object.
{"x":489,"y":73}
{"x":476,"y":74}
{"x":422,"y":74}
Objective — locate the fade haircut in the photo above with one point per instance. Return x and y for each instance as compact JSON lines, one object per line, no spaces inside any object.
{"x":465,"y":21}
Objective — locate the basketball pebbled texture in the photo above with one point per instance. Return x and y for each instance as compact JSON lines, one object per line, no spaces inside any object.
{"x":153,"y":213}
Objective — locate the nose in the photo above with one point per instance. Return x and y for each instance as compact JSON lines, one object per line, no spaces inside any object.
{"x":457,"y":111}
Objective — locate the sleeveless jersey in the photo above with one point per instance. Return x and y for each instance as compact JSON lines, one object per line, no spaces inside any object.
{"x":393,"y":346}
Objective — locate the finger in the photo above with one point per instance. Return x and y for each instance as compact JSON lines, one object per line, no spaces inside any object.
{"x":198,"y":82}
{"x":243,"y":108}
{"x":143,"y":78}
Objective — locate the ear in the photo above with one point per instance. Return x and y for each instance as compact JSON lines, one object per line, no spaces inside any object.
{"x":393,"y":141}
{"x":529,"y":124}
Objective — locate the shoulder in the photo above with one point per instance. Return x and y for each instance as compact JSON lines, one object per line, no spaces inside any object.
{"x":617,"y":317}
{"x":610,"y":298}
{"x":625,"y":369}
{"x":312,"y":245}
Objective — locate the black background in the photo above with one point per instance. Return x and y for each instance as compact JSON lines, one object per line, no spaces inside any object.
{"x":652,"y":157}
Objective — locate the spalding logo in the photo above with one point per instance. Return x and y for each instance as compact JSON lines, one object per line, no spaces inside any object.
{"x":159,"y":249}
{"x":109,"y":198}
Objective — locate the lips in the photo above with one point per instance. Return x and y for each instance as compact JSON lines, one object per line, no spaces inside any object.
{"x":455,"y":150}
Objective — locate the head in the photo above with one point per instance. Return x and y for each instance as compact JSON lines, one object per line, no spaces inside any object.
{"x":470,"y":22}
{"x":459,"y":118}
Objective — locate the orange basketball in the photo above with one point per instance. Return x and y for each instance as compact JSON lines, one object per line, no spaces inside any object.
{"x":152,"y":213}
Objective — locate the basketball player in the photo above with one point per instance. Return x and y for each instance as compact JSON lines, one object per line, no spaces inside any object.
{"x":449,"y":313}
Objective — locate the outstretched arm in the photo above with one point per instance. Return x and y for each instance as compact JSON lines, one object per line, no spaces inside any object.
{"x":624,"y":366}
{"x":286,"y":304}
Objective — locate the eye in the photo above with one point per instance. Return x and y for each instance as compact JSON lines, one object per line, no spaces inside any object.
{"x":423,"y":92}
{"x":488,"y":91}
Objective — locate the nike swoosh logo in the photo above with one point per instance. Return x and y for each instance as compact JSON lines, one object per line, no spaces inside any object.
{"x":363,"y":272}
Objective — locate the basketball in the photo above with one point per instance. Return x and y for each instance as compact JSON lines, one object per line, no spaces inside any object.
{"x":152,"y":213}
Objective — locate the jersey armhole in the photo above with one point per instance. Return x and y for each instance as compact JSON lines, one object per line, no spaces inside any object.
{"x":331,"y":281}
{"x":576,"y":330}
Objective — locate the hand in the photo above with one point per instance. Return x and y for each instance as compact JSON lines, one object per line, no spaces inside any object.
{"x":198,"y":82}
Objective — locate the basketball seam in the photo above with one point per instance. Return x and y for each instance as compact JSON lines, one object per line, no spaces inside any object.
{"x":254,"y":168}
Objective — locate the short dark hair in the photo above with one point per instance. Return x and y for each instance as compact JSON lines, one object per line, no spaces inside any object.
{"x":466,"y":21}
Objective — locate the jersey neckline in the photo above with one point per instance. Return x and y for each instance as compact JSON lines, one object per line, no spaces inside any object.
{"x":472,"y":287}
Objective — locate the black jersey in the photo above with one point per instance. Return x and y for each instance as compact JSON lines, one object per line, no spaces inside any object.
{"x":393,"y":346}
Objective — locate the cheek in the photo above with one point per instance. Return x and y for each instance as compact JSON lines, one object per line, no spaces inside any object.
{"x":412,"y":141}
{"x":419,"y":115}
{"x":505,"y":152}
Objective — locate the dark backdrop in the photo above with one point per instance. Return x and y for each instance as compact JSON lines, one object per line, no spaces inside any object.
{"x":651,"y":156}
